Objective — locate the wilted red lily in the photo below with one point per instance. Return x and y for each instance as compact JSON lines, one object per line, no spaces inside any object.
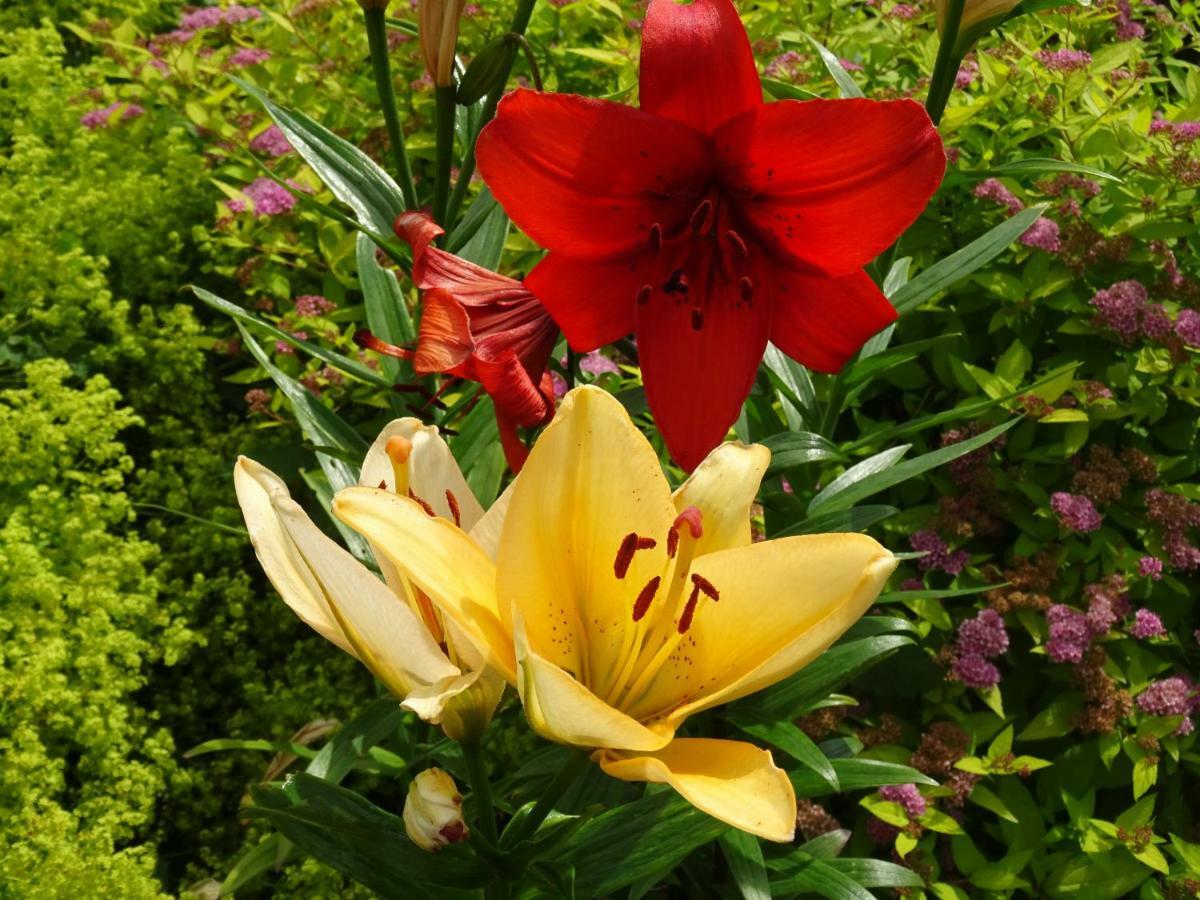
{"x":479,"y":325}
{"x":707,"y":221}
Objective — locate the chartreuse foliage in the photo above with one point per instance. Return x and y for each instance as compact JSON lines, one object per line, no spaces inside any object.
{"x":132,"y":632}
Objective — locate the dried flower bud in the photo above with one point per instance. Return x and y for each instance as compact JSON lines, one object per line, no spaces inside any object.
{"x":433,"y":811}
{"x":437,"y":29}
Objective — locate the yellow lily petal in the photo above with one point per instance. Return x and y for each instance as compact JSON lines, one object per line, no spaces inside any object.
{"x":723,"y":488}
{"x":441,"y":560}
{"x":782,"y":602}
{"x":486,"y":532}
{"x":462,"y":705}
{"x":257,"y":487}
{"x":432,"y":470}
{"x":591,"y":480}
{"x":732,"y":781}
{"x":561,"y":709}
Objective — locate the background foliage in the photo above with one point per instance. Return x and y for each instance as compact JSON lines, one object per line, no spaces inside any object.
{"x":1046,"y":680}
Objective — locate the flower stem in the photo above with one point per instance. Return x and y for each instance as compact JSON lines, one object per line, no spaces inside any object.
{"x":945,"y":68}
{"x":519,"y":23}
{"x":377,"y":39}
{"x":485,"y":814}
{"x":446,"y":108}
{"x":566,"y":776}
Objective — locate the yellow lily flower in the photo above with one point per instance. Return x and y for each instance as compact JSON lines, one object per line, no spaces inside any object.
{"x":390,"y":626}
{"x":619,"y":608}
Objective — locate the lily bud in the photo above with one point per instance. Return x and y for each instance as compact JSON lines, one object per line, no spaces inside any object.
{"x":374,"y":4}
{"x":437,"y":29}
{"x":978,"y":16}
{"x":433,"y":811}
{"x":486,"y":70}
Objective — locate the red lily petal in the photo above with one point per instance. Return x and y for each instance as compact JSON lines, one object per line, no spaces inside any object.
{"x":822,"y":322}
{"x":589,"y":177}
{"x":444,"y":341}
{"x":515,"y":451}
{"x":831,"y":182}
{"x":592,"y":302}
{"x":435,"y":268}
{"x":697,"y":65}
{"x":696,"y":380}
{"x":516,"y":394}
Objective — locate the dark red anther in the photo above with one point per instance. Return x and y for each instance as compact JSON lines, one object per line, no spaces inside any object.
{"x":630,"y":544}
{"x":705,"y":586}
{"x":368,"y":341}
{"x":672,"y":541}
{"x":697,"y":318}
{"x":689,"y":610}
{"x":694,"y":519}
{"x":383,"y":485}
{"x":425,"y":506}
{"x":643,"y":294}
{"x":452,"y":501}
{"x":676,"y":283}
{"x":700,"y":216}
{"x":655,"y":237}
{"x":645,"y":598}
{"x":747,"y":289}
{"x":738,"y":244}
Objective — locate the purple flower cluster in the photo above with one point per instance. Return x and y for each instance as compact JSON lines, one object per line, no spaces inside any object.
{"x":1075,"y":512}
{"x":248,"y":56}
{"x":966,"y":75}
{"x":1064,"y":60}
{"x":980,"y":639}
{"x":1043,"y":235}
{"x":1070,"y":634}
{"x":269,"y":198}
{"x":904,"y":11}
{"x":1175,"y":515}
{"x":1179,"y":132}
{"x":1127,"y":28}
{"x":785,"y":65}
{"x":1125,"y":308}
{"x":213,"y":16}
{"x":938,"y":555}
{"x":907,"y":796}
{"x":1187,"y":327}
{"x":994,"y":190}
{"x":100,"y":118}
{"x":596,"y":364}
{"x":1146,"y":624}
{"x":312,"y":305}
{"x":1175,"y":696}
{"x":850,"y":65}
{"x":272,"y":142}
{"x":1150,"y":567}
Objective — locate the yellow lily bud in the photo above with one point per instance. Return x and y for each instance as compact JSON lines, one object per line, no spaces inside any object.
{"x":437,"y":29}
{"x":433,"y":811}
{"x":975,"y":13}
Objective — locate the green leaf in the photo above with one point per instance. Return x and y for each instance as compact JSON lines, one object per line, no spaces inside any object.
{"x":982,"y":796}
{"x":881,"y":479}
{"x":902,"y":596}
{"x":795,"y":743}
{"x":958,"y":265}
{"x":744,"y":855}
{"x":342,"y":363}
{"x":1039,"y":164}
{"x":352,"y":176}
{"x":781,"y":90}
{"x":827,"y":845}
{"x":846,"y":84}
{"x":825,"y":674}
{"x":856,"y":774}
{"x":795,"y":448}
{"x":1056,"y":720}
{"x":383,"y":301}
{"x":360,"y":840}
{"x":876,"y":873}
{"x":870,"y":467}
{"x":634,"y":841}
{"x":267,"y":854}
{"x":335,"y":760}
{"x":480,"y":236}
{"x":1096,"y":876}
{"x":819,"y":876}
{"x":795,"y":383}
{"x":857,"y":518}
{"x":1145,"y":774}
{"x":218,"y":745}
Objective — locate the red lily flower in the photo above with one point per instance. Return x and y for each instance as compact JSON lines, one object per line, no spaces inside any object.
{"x":708,"y":222}
{"x":480,"y":325}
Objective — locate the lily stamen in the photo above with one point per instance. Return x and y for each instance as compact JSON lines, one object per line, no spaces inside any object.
{"x":425,"y":506}
{"x":645,"y":598}
{"x":398,"y":449}
{"x":630,"y":544}
{"x":452,"y":502}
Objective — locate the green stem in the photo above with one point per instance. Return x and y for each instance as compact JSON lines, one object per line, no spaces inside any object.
{"x":945,"y":68}
{"x":519,"y":23}
{"x":446,"y":108}
{"x":552,"y":794}
{"x":381,"y":66}
{"x":485,"y":814}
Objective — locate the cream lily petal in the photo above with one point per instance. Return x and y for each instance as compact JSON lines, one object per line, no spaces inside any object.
{"x":782,"y":602}
{"x":561,"y":709}
{"x":441,"y":560}
{"x":486,"y":532}
{"x":474,"y":694}
{"x":256,"y":487}
{"x":732,"y":781}
{"x":432,"y":470}
{"x":590,"y":482}
{"x":385,"y":633}
{"x":723,"y":488}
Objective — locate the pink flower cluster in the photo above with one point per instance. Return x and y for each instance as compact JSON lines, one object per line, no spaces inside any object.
{"x":269,"y":197}
{"x":1187,"y":327}
{"x":1150,"y":567}
{"x":1127,"y":28}
{"x":1175,"y":515}
{"x":1042,"y":234}
{"x":903,"y":11}
{"x":786,"y":65}
{"x":1125,"y":308}
{"x":1179,"y":132}
{"x":1070,"y":634}
{"x":272,"y":142}
{"x":979,"y":640}
{"x":1075,"y":512}
{"x":938,"y":555}
{"x":1107,"y":602}
{"x":993,"y":189}
{"x":100,"y":118}
{"x":248,"y":56}
{"x":1146,"y":624}
{"x":966,"y":74}
{"x":907,"y":796}
{"x":596,"y":364}
{"x":1064,"y":60}
{"x":1175,"y":696}
{"x":312,"y":305}
{"x":212,"y":16}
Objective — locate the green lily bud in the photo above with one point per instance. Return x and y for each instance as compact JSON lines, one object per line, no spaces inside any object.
{"x":487,"y":70}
